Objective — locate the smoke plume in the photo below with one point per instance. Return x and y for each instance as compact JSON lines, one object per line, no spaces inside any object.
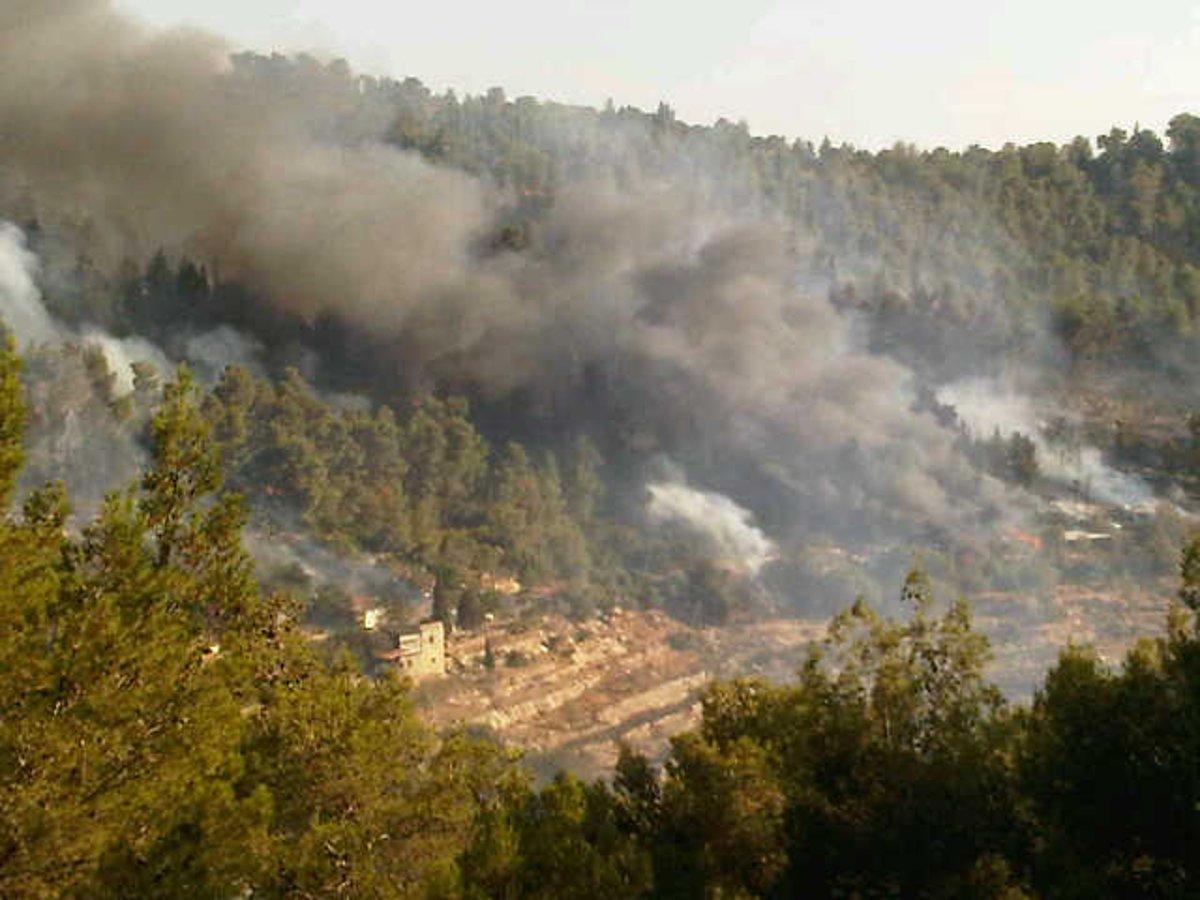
{"x":32,"y":325}
{"x":726,"y":525}
{"x":668,"y":314}
{"x":20,"y":300}
{"x":987,"y":406}
{"x":138,"y":139}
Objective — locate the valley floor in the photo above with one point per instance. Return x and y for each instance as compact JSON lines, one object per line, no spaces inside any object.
{"x":569,"y":693}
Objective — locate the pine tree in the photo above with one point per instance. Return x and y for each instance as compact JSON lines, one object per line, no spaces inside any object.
{"x":12,"y":419}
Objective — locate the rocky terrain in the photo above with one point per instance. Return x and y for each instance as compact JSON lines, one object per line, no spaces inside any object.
{"x":569,"y":693}
{"x":1025,"y":644}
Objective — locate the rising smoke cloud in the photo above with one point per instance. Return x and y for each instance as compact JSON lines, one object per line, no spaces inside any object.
{"x":72,"y":434}
{"x":727,"y":526}
{"x":987,"y":406}
{"x":20,"y":300}
{"x":684,"y":309}
{"x":32,"y":325}
{"x":135,"y":140}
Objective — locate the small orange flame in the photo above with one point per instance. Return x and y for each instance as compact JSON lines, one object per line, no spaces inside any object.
{"x":1024,"y":537}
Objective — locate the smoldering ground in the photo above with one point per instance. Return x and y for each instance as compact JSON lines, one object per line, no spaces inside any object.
{"x":651,"y":312}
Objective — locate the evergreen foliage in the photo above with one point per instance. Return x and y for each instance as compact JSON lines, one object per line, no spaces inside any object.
{"x":425,"y":489}
{"x":165,"y":730}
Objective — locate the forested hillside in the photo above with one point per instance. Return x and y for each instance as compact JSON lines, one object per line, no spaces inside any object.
{"x":291,"y":345}
{"x":886,"y":352}
{"x":617,"y":357}
{"x":167,"y":731}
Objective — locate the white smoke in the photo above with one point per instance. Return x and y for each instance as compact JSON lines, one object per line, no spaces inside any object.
{"x":215,"y":350}
{"x":120,"y":354}
{"x":32,"y":325}
{"x":728,"y":526}
{"x":985,"y":406}
{"x":320,"y":565}
{"x":20,"y":300}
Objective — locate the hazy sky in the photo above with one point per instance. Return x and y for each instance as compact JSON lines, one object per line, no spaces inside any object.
{"x":931,"y":72}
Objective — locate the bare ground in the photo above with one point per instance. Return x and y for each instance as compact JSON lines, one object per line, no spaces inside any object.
{"x":569,"y":693}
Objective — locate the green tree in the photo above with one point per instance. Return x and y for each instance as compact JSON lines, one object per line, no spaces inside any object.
{"x":469,"y":615}
{"x":12,"y":419}
{"x":1189,"y":572}
{"x":882,"y":771}
{"x":583,"y":485}
{"x":185,"y":464}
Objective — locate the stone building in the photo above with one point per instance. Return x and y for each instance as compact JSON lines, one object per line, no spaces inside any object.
{"x":420,"y":650}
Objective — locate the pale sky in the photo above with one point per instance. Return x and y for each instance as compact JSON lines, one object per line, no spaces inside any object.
{"x":870,"y":72}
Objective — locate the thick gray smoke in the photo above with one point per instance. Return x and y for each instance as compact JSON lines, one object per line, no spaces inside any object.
{"x":129,"y":140}
{"x":135,"y":140}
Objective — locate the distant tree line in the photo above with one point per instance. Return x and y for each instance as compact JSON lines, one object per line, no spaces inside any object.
{"x":1103,"y":236}
{"x":946,"y":253}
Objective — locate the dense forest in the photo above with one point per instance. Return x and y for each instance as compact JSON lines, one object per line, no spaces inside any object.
{"x":167,"y":731}
{"x":1062,"y":280}
{"x":284,"y":336}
